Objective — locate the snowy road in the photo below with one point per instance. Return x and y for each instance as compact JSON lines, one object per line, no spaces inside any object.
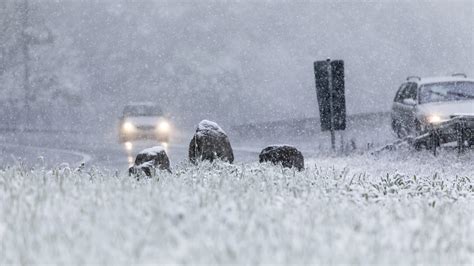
{"x":40,"y":156}
{"x":34,"y":150}
{"x":116,"y":156}
{"x":102,"y":149}
{"x":107,"y":153}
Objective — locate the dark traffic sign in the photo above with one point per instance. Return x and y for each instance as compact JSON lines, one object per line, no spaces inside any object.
{"x":329,"y":77}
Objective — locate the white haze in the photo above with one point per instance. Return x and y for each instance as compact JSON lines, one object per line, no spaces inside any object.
{"x":232,"y":62}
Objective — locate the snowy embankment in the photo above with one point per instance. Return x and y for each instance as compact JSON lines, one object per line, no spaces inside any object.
{"x":393,"y":209}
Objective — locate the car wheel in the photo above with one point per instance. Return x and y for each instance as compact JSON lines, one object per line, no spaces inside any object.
{"x":397,"y":129}
{"x":418,"y":131}
{"x":418,"y":145}
{"x":418,"y":128}
{"x":471,"y":142}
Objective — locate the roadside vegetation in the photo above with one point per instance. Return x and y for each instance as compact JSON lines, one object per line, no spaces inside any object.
{"x":333,"y":212}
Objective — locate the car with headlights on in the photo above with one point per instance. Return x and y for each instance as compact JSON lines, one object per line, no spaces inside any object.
{"x":144,"y":121}
{"x":421,"y":104}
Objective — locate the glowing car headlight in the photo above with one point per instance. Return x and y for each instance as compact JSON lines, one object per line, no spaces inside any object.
{"x":128,"y":127}
{"x":164,"y":127}
{"x":434,"y":119}
{"x":128,"y":146}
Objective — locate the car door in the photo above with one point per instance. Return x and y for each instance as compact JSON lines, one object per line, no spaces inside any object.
{"x":408,"y":107}
{"x":397,"y":108}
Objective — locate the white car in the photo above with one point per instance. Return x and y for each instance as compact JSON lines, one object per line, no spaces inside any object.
{"x":144,"y":121}
{"x":421,"y":103}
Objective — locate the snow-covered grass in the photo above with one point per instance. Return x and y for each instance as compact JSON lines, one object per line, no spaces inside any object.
{"x":392,"y":209}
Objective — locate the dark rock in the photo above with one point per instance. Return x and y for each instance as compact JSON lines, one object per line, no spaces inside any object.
{"x":210,"y":142}
{"x":285,"y":155}
{"x":148,"y":160}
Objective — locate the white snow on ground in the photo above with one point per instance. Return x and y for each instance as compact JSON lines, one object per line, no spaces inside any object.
{"x":394,"y":208}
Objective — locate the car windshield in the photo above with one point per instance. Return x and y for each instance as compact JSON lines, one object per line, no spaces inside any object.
{"x":142,"y":110}
{"x":447,"y":91}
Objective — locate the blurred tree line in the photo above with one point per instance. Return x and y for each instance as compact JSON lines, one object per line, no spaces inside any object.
{"x":40,"y":82}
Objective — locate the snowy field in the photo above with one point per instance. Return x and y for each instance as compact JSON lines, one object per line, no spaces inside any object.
{"x":394,"y":208}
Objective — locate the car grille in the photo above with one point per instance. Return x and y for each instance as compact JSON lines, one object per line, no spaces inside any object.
{"x":146,"y":127}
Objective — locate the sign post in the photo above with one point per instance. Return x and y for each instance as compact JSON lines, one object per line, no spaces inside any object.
{"x":329,"y":76}
{"x":331,"y":105}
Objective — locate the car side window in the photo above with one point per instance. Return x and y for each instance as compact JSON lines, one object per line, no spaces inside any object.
{"x":407,"y":91}
{"x":411,"y":91}
{"x":399,"y":96}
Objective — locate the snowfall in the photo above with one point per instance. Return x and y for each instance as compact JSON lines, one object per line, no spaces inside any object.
{"x":401,"y":207}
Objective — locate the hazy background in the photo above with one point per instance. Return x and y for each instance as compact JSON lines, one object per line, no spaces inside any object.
{"x":232,"y":62}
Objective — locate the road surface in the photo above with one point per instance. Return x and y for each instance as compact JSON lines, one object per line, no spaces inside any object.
{"x":34,"y":150}
{"x":103,"y":151}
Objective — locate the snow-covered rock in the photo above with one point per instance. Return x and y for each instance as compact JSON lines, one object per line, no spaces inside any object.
{"x":153,"y":151}
{"x":209,"y":127}
{"x":210,"y":142}
{"x":148,"y":160}
{"x":286,"y":155}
